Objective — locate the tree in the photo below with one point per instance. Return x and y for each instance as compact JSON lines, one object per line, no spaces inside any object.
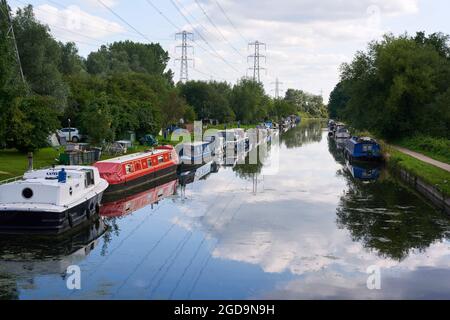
{"x":249,"y":101}
{"x":394,"y":86}
{"x":338,"y":101}
{"x":97,"y":120}
{"x":71,"y":63}
{"x":128,"y":56}
{"x":40,"y":56}
{"x":31,"y":120}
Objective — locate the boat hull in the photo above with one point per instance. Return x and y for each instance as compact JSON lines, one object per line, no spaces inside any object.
{"x":45,"y":222}
{"x":143,"y":180}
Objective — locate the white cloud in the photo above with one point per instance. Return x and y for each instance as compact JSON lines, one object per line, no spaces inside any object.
{"x":75,"y":24}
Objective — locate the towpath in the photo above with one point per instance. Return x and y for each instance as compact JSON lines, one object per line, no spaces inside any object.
{"x":424,"y":158}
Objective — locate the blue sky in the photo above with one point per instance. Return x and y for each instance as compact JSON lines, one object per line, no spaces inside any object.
{"x":307,"y":40}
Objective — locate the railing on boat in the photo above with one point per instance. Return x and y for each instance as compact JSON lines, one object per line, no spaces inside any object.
{"x":10,"y":180}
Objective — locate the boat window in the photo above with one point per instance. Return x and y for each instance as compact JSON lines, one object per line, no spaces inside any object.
{"x":89,"y":178}
{"x":137,"y":165}
{"x":160,"y":159}
{"x":149,"y":163}
{"x":129,"y":168}
{"x":367,"y":147}
{"x":170,"y":156}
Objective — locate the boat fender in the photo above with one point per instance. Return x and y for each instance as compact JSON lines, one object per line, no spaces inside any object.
{"x":70,"y":219}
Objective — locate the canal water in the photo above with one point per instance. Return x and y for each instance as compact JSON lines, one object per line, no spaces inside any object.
{"x":311,"y":230}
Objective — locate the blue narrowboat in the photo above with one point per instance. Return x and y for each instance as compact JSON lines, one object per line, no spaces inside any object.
{"x":362,"y":148}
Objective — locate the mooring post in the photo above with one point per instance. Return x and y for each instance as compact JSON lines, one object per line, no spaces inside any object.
{"x":30,"y":161}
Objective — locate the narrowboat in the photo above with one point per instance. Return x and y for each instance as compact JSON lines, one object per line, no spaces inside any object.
{"x":134,"y":170}
{"x":194,"y":154}
{"x":127,"y":205}
{"x":51,"y":201}
{"x":216,"y":144}
{"x":362,"y":148}
{"x":342,"y":133}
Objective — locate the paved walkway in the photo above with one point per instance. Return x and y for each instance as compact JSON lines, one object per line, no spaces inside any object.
{"x":423,"y":158}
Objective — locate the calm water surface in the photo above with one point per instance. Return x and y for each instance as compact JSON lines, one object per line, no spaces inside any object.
{"x":308,"y":232}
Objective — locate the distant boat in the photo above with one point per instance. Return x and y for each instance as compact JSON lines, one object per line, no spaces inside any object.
{"x":194,"y":154}
{"x":138,"y":169}
{"x":362,"y":148}
{"x":51,"y":200}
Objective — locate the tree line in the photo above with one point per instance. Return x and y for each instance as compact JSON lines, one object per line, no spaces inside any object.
{"x":397,"y":88}
{"x":123,"y":86}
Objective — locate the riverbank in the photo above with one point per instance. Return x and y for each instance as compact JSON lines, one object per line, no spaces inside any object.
{"x":431,"y":182}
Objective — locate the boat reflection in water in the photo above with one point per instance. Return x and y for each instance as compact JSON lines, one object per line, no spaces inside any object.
{"x":145,"y":196}
{"x":199,"y":173}
{"x":24,"y":259}
{"x":364,"y":172}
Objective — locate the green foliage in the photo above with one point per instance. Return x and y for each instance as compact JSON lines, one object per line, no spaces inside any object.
{"x":97,"y":120}
{"x":128,"y":56}
{"x":398,"y":88}
{"x":249,"y":101}
{"x":338,"y":101}
{"x":305,"y":102}
{"x":30,"y":122}
{"x":40,"y":55}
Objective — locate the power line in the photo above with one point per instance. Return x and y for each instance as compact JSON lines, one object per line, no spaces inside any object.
{"x":231,"y":22}
{"x":201,"y":36}
{"x":11,"y":33}
{"x":257,"y":56}
{"x":168,"y":20}
{"x":184,"y":60}
{"x":123,"y":20}
{"x":217,"y":28}
{"x":277,"y":84}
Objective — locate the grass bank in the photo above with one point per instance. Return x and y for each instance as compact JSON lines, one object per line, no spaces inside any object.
{"x":428,"y":173}
{"x":435,"y":148}
{"x":14,"y":163}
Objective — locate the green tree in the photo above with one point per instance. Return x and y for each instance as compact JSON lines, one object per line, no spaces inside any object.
{"x":97,"y":120}
{"x":338,"y":101}
{"x":393,"y":87}
{"x":128,"y":56}
{"x":31,"y":120}
{"x":249,"y":101}
{"x":40,"y":56}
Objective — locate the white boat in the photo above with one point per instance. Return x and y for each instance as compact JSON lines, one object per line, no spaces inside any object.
{"x":51,"y":200}
{"x":342,"y":133}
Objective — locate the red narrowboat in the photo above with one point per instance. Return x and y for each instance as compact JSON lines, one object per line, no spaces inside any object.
{"x":138,"y":169}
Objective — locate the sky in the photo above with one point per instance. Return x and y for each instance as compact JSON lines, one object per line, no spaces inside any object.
{"x":306,"y":40}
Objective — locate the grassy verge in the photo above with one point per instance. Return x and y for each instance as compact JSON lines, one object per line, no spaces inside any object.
{"x":429,"y":173}
{"x":14,"y":163}
{"x":436,"y":148}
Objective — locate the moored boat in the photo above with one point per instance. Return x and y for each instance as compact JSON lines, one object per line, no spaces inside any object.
{"x":138,"y":169}
{"x":51,"y":201}
{"x":362,"y":148}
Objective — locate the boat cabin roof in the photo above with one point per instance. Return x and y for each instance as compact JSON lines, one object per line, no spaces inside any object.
{"x":135,"y":156}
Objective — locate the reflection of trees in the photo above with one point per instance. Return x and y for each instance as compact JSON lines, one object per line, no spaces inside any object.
{"x":26,"y":257}
{"x":308,"y":131}
{"x":247,"y":170}
{"x":388,"y":218}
